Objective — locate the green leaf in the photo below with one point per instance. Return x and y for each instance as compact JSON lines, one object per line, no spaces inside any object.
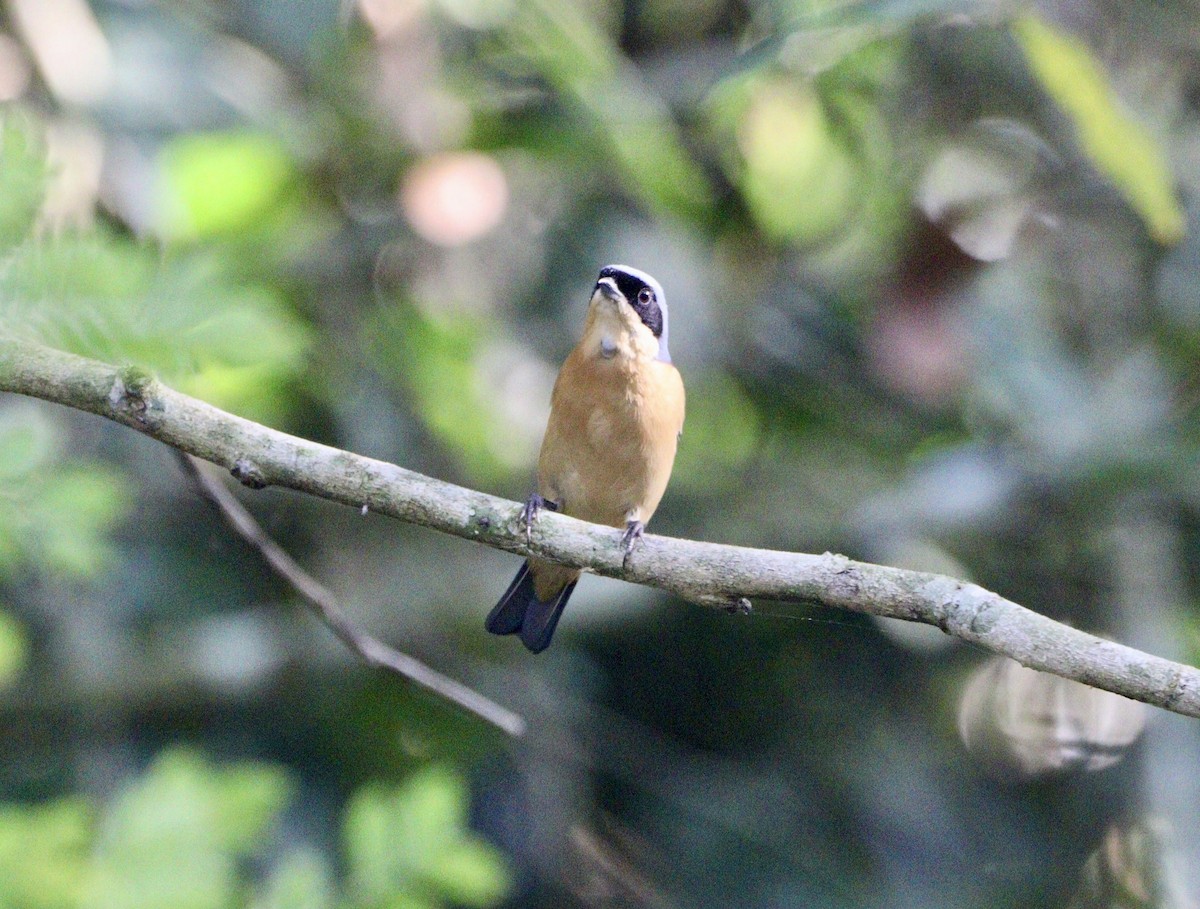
{"x":302,"y":880}
{"x":14,"y":649}
{"x":54,"y":516}
{"x":1119,"y":147}
{"x":428,"y":355}
{"x":79,"y":508}
{"x":564,"y":43}
{"x":221,"y":182}
{"x":182,"y":319}
{"x":248,"y":797}
{"x":411,"y":900}
{"x":44,"y":854}
{"x":409,"y":846}
{"x":375,"y":866}
{"x":173,"y":838}
{"x":798,"y":177}
{"x":26,"y":439}
{"x":469,"y":873}
{"x":22,"y":179}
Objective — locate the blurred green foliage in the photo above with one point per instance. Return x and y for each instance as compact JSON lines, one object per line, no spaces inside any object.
{"x":114,"y":299}
{"x":176,"y":836}
{"x":221,"y":182}
{"x":182,"y":834}
{"x":302,"y":879}
{"x":23,"y":164}
{"x":935,"y":290}
{"x":790,"y":157}
{"x":14,"y":649}
{"x":1119,"y":146}
{"x":413,"y":840}
{"x":727,"y":432}
{"x":426,"y":355}
{"x":43,"y":854}
{"x":564,"y":44}
{"x":53,"y":518}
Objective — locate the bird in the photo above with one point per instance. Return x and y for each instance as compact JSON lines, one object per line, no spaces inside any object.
{"x":616,"y":416}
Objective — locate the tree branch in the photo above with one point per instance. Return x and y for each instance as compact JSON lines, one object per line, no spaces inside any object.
{"x":373,"y":651}
{"x":707,"y":573}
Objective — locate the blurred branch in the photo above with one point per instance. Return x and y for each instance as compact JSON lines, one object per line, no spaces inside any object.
{"x":373,"y":651}
{"x":707,"y":573}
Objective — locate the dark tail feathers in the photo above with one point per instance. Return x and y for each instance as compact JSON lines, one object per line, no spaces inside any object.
{"x":520,"y":611}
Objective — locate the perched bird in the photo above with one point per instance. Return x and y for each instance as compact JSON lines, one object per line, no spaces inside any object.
{"x":616,"y":415}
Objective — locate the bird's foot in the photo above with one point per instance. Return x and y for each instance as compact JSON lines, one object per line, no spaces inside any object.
{"x":629,"y":542}
{"x":529,"y":513}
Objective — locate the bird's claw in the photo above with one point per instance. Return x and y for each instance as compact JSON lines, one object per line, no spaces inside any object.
{"x":629,"y":542}
{"x":529,"y":513}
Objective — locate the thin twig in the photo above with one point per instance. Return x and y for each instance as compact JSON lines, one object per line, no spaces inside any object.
{"x":325,"y":606}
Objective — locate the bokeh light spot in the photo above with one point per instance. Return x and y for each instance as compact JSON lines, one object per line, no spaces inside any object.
{"x":454,"y":198}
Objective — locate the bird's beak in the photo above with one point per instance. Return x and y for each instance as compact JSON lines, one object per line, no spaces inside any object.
{"x":608,"y":287}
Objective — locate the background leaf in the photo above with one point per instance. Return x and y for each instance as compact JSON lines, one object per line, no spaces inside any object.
{"x":222,"y":182}
{"x":1120,"y":148}
{"x":23,"y":180}
{"x":410,"y":844}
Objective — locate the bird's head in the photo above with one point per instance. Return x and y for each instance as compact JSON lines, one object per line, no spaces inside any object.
{"x":638,"y":300}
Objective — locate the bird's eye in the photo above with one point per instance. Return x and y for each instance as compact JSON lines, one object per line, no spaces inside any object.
{"x":645,"y":295}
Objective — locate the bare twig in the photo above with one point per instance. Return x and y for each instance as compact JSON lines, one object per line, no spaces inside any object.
{"x":323,"y":603}
{"x":715,"y":575}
